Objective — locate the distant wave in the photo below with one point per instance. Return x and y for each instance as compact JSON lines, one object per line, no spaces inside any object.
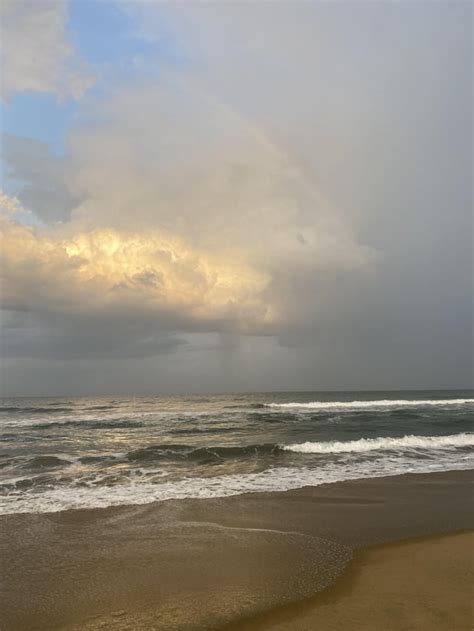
{"x":105,"y":424}
{"x":179,"y":452}
{"x":192,"y":431}
{"x":372,"y":444}
{"x":382,"y":403}
{"x":34,"y":410}
{"x":254,"y":406}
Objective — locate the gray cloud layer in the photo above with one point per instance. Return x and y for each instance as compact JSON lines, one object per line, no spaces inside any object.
{"x":325,"y":152}
{"x":43,"y":178}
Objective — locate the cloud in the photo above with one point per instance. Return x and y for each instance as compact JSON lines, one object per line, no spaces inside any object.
{"x":195,"y":166}
{"x":44,"y":179}
{"x":293,"y":177}
{"x":35,"y":52}
{"x":108,"y":274}
{"x":40,"y":335}
{"x":185,"y":218}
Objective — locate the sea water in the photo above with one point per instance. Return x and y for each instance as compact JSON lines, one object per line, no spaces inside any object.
{"x":83,"y":452}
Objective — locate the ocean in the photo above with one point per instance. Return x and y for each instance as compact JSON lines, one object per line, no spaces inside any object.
{"x":88,"y":452}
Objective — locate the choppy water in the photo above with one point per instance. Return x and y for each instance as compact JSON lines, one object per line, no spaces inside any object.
{"x":61,"y":453}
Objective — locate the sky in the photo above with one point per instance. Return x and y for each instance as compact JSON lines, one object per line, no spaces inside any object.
{"x":248,"y":196}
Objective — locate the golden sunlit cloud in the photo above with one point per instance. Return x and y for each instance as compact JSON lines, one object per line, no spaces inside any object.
{"x":110,"y":269}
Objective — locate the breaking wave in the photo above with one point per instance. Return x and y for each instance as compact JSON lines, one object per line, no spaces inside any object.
{"x":387,"y":443}
{"x":382,"y":403}
{"x":270,"y":480}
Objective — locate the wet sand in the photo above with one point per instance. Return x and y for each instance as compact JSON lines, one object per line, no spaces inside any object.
{"x":202,"y":564}
{"x":426,"y":584}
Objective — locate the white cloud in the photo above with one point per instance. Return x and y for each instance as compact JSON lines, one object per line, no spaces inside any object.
{"x":35,"y":52}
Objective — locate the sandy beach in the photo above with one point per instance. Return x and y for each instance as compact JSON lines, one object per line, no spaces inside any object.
{"x":425,"y":584}
{"x":254,"y":561}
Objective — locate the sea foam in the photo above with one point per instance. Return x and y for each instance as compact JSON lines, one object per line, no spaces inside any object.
{"x":270,"y":480}
{"x":382,"y":443}
{"x":382,"y":403}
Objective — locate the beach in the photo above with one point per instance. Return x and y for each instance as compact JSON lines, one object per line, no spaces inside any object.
{"x":421,"y":584}
{"x":236,"y":341}
{"x":391,"y":551}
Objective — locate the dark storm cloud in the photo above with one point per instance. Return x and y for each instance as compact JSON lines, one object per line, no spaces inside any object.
{"x":25,"y":335}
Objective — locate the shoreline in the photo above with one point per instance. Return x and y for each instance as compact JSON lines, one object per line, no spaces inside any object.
{"x":372,"y":592}
{"x":203,"y":564}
